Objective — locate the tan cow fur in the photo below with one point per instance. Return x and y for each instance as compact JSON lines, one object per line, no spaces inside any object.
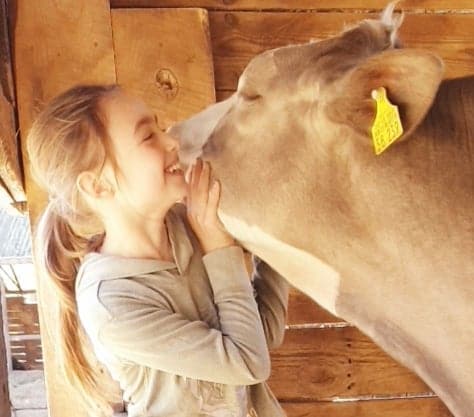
{"x":385,"y":242}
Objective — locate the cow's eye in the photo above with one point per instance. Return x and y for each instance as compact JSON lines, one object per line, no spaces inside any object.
{"x":250,"y":96}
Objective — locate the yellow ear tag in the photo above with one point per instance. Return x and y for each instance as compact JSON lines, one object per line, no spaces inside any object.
{"x":387,"y":125}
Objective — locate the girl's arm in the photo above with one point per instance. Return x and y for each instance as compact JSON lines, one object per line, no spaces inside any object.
{"x":144,"y":330}
{"x":272,"y":299}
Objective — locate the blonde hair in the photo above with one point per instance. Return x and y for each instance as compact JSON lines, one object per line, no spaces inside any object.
{"x":68,"y":137}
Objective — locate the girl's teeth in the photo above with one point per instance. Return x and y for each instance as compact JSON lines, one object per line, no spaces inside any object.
{"x":173,"y":169}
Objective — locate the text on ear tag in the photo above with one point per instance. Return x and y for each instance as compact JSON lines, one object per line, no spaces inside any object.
{"x":387,"y":126}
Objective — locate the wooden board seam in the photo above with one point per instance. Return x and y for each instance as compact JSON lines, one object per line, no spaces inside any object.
{"x":114,"y":5}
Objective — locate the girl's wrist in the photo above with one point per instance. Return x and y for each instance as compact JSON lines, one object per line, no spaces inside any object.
{"x":210,"y":246}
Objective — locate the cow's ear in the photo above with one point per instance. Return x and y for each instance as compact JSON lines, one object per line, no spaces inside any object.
{"x":411,"y":78}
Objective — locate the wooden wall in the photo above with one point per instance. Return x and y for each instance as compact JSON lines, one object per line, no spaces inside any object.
{"x":325,"y":366}
{"x":24,"y":332}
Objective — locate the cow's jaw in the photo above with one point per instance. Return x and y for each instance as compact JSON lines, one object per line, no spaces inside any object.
{"x":303,"y":270}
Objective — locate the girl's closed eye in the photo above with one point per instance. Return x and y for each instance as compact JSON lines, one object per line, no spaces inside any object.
{"x":149,"y":136}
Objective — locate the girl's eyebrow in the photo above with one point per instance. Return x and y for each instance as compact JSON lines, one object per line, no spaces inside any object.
{"x":144,"y":121}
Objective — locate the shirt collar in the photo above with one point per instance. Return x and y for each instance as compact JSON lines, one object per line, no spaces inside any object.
{"x":97,"y":266}
{"x":179,"y":237}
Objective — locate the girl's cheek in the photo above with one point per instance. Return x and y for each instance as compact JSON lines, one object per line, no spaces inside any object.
{"x":152,"y":157}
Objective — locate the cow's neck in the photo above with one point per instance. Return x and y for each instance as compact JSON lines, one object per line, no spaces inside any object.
{"x":420,"y":199}
{"x":381,"y":219}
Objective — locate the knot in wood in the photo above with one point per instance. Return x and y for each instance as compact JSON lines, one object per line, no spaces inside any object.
{"x":167,"y":83}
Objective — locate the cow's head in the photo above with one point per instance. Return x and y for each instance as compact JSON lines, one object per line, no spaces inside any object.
{"x":302,"y":95}
{"x":304,"y":191}
{"x":296,"y":134}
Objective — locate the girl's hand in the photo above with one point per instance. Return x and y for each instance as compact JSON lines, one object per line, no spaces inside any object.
{"x":202,"y":202}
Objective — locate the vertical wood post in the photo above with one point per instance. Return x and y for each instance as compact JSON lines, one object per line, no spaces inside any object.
{"x":56,"y":45}
{"x":5,"y":409}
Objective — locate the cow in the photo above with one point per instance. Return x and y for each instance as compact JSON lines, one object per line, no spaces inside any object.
{"x":383,"y":241}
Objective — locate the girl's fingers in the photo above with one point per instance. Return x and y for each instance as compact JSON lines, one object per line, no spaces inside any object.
{"x":196,"y":173}
{"x":190,"y":187}
{"x":213,"y":201}
{"x":203,"y":185}
{"x":199,"y":189}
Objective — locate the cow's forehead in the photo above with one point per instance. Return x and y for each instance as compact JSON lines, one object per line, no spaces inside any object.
{"x":288,"y":68}
{"x":323,"y":61}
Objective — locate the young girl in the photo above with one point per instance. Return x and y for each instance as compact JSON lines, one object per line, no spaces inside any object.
{"x":160,"y":288}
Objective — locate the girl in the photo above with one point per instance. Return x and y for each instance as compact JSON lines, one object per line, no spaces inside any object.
{"x":160,"y":289}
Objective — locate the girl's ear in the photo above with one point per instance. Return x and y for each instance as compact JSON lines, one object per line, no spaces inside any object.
{"x":93,"y":186}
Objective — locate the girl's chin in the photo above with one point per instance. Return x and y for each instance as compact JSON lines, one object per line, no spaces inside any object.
{"x":175,"y":179}
{"x":180,"y":192}
{"x":182,"y":200}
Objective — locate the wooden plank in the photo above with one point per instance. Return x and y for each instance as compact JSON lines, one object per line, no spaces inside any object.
{"x":56,"y":45}
{"x":48,"y":64}
{"x":319,"y":5}
{"x":303,"y":310}
{"x":10,"y":172}
{"x":4,"y":392}
{"x":28,"y":353}
{"x":426,"y":407}
{"x":323,"y":364}
{"x":176,"y":80}
{"x":22,"y":317}
{"x":223,"y":94}
{"x":239,"y":36}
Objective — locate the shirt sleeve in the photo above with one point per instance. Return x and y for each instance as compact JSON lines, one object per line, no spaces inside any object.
{"x":145,"y":331}
{"x":272,"y":298}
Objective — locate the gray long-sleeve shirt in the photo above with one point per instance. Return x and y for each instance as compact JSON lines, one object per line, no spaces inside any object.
{"x":185,"y":338}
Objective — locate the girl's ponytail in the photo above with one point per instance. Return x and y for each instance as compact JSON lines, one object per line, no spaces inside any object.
{"x":67,"y":138}
{"x":58,"y":254}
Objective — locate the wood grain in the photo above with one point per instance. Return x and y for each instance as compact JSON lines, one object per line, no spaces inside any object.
{"x":22,"y":317}
{"x":427,"y":407}
{"x":323,"y":364}
{"x":239,"y":36}
{"x":56,"y":45}
{"x":146,"y":45}
{"x":10,"y":172}
{"x":415,"y":5}
{"x":303,"y":310}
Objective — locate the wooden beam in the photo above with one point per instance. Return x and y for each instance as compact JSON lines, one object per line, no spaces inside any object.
{"x":427,"y":407}
{"x":238,"y":36}
{"x":5,"y":409}
{"x":56,"y":45}
{"x":175,"y":79}
{"x":10,"y":173}
{"x":319,"y":5}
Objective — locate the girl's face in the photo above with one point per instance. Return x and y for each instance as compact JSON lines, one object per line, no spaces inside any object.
{"x":149,"y":180}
